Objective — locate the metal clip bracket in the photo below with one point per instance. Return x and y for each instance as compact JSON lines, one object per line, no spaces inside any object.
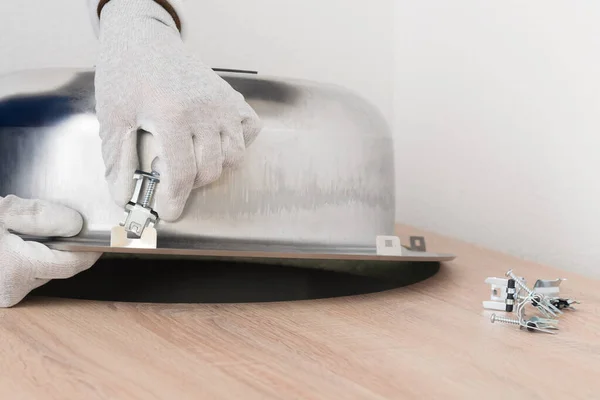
{"x":388,"y":246}
{"x":504,"y":294}
{"x":140,"y":218}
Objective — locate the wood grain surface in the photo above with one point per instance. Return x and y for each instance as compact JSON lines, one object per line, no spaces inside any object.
{"x":431,"y":340}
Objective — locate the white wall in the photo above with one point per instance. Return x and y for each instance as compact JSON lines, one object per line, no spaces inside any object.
{"x":497,"y":114}
{"x":337,"y":41}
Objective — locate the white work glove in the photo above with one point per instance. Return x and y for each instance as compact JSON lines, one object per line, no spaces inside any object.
{"x":26,"y":265}
{"x":145,"y":79}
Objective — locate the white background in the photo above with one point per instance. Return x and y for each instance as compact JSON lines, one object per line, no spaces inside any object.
{"x":497,"y":119}
{"x":311,"y":39}
{"x":494,"y":104}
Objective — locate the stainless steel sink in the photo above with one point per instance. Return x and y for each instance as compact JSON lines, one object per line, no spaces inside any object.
{"x":317,"y":183}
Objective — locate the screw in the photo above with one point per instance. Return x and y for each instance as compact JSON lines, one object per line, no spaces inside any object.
{"x":511,"y":274}
{"x":495,"y":318}
{"x":150,"y":189}
{"x":534,"y":324}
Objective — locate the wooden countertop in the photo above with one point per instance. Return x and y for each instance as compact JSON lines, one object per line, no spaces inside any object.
{"x":429,"y":340}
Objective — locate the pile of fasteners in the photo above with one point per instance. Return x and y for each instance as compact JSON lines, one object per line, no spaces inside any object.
{"x":512,"y":295}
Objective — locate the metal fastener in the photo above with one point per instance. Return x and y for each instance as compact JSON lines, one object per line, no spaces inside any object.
{"x":139,"y":215}
{"x":532,"y":324}
{"x":537,"y":300}
{"x":152,"y":181}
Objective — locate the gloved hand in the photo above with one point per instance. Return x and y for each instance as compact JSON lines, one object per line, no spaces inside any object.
{"x":146,"y":79}
{"x":26,"y":265}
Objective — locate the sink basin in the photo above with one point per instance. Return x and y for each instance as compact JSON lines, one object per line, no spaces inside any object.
{"x":319,"y":179}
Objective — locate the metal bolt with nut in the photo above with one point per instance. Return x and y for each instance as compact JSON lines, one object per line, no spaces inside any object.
{"x":140,"y":215}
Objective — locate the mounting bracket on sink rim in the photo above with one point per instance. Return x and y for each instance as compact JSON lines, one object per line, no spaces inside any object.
{"x":140,"y":218}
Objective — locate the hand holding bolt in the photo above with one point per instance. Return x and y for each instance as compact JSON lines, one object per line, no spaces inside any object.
{"x":139,"y":215}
